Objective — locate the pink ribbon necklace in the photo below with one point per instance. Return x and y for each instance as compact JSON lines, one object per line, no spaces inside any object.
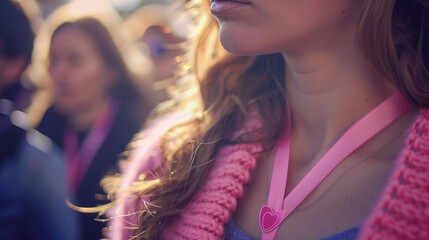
{"x":277,"y":208}
{"x":77,"y":159}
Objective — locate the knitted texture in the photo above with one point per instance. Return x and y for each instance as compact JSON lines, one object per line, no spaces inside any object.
{"x":143,"y":159}
{"x":210,"y":209}
{"x":403,"y":209}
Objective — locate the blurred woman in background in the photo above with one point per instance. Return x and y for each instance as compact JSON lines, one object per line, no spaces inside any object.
{"x":96,"y":112}
{"x":151,"y":28}
{"x":33,"y":189}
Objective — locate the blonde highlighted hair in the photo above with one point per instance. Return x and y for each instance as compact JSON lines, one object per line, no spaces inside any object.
{"x":393,"y":36}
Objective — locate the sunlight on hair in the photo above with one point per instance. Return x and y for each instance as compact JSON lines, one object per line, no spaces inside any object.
{"x":99,"y":209}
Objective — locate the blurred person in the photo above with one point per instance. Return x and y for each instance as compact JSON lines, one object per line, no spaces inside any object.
{"x":96,"y":110}
{"x":165,"y":49}
{"x":151,"y":28}
{"x":33,"y":189}
{"x":38,"y":72}
{"x":313,"y":124}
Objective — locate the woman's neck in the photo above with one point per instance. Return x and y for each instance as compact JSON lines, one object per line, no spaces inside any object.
{"x":327,"y":92}
{"x":85,"y":118}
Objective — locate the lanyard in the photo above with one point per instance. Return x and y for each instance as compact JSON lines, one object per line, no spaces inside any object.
{"x":277,"y":209}
{"x":79,"y":160}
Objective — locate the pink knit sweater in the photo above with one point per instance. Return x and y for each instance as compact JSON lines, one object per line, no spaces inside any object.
{"x":402,"y":211}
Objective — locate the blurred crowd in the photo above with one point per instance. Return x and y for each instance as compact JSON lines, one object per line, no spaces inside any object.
{"x":78,"y":80}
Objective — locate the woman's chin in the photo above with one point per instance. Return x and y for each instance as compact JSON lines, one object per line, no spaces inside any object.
{"x":241,"y":45}
{"x":238,"y":49}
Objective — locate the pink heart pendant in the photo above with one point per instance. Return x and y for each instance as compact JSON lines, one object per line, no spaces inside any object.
{"x":269,"y":219}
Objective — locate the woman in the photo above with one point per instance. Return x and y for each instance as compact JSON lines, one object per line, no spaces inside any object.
{"x":296,"y":141}
{"x":95,"y":112}
{"x":32,"y":185}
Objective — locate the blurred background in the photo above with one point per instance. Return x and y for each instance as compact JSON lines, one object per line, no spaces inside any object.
{"x":78,"y":80}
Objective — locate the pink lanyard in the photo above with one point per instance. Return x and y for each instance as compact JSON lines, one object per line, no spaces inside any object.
{"x":277,"y":209}
{"x":79,"y":160}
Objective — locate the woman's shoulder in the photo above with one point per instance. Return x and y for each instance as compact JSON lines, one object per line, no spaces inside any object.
{"x":145,"y":156}
{"x":53,"y":125}
{"x":146,"y":153}
{"x":403,"y":209}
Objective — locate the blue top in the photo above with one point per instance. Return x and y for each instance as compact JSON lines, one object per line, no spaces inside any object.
{"x":233,"y":232}
{"x":33,"y":194}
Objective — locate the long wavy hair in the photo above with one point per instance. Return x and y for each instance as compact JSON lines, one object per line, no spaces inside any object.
{"x":393,"y":35}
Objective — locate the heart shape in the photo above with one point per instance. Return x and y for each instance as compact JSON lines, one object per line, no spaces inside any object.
{"x":270,"y":219}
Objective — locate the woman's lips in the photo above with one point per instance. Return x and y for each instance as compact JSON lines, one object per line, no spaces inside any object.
{"x":227,"y":7}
